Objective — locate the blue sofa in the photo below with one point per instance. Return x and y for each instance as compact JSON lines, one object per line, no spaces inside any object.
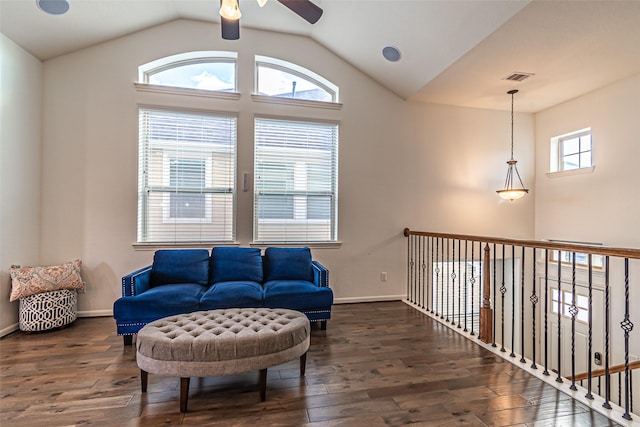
{"x":186,"y":280}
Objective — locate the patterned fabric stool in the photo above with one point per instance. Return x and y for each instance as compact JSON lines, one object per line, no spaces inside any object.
{"x":48,"y":310}
{"x":221,"y":342}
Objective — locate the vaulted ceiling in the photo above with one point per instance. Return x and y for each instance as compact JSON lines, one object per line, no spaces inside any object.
{"x":454,"y":52}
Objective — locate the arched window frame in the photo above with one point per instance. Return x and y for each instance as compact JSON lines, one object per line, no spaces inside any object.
{"x":147,"y":70}
{"x":297,"y":70}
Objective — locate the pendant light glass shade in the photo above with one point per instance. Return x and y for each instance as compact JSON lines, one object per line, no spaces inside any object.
{"x":509,"y":192}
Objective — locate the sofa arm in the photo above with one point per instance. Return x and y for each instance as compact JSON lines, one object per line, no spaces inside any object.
{"x":320,"y":275}
{"x":137,"y":282}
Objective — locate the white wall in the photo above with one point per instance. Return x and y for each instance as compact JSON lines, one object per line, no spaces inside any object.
{"x":401,"y":164}
{"x":603,"y":206}
{"x":20,"y":164}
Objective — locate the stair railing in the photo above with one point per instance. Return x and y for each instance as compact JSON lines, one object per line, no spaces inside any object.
{"x":479,"y":286}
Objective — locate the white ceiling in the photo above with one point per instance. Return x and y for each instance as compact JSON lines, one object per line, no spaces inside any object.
{"x":454,"y":52}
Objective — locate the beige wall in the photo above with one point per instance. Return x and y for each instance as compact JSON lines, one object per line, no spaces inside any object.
{"x":20,"y":165}
{"x":402,"y":164}
{"x":602,"y":206}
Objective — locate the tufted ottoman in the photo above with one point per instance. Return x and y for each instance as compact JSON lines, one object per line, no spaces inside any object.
{"x":221,"y":342}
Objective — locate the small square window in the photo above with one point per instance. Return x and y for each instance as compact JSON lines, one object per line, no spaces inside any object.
{"x":571,"y":151}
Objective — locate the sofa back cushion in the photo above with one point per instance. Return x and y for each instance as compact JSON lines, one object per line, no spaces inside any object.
{"x":172,"y":266}
{"x":236,"y":264}
{"x":288,"y":264}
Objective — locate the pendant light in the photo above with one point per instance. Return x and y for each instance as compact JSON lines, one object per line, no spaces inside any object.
{"x":509,"y":192}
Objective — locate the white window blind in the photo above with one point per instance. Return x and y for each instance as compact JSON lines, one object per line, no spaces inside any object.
{"x":186,"y":176}
{"x":296,"y":175}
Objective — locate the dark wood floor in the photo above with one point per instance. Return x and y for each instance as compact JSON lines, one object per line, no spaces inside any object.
{"x":378,"y":364}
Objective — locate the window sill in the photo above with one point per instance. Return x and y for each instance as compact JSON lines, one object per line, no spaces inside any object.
{"x":570,"y":172}
{"x":317,"y":245}
{"x":296,"y":102}
{"x":139,"y":246}
{"x":142,"y":87}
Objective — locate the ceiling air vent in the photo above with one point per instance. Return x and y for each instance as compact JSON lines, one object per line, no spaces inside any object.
{"x":518,"y":77}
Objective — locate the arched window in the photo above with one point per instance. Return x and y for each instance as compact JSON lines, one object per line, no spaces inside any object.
{"x":282,"y":79}
{"x":203,"y":70}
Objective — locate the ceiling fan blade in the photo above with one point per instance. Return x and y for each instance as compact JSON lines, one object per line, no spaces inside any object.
{"x":230,"y":28}
{"x":305,"y":9}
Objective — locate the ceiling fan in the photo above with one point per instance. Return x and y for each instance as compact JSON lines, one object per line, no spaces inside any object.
{"x":230,"y":14}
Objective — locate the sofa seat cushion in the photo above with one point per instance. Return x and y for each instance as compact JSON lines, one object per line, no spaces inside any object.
{"x":172,"y":266}
{"x":296,"y":295}
{"x":236,"y":264}
{"x":288,"y":264}
{"x":160,"y":301}
{"x":236,"y":294}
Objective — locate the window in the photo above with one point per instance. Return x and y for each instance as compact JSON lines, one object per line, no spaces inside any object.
{"x":295,"y":194}
{"x":563,"y":301}
{"x":186,"y":176}
{"x":571,"y":151}
{"x":193,"y":70}
{"x":286,"y":80}
{"x":582,"y":259}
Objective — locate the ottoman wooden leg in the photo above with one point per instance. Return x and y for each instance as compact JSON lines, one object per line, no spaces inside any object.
{"x":184,"y":394}
{"x":263,"y":385}
{"x":303,"y":364}
{"x":144,"y":375}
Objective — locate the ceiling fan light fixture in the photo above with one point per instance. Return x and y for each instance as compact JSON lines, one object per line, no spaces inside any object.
{"x":53,"y":7}
{"x":261,"y":3}
{"x":229,"y":9}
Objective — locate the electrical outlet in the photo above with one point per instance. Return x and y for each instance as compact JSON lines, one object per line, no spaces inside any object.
{"x":383,"y":276}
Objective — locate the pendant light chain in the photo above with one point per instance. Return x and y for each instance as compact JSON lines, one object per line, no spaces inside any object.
{"x":512,"y":93}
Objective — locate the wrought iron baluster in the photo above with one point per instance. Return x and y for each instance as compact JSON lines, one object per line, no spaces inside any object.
{"x":607,"y":376}
{"x":431,"y":270}
{"x":459,"y":285}
{"x":620,"y":389}
{"x":480,"y":284}
{"x":451,"y":301}
{"x":560,"y":308}
{"x":513,"y":300}
{"x":546,"y":311}
{"x":522,"y":264}
{"x":466,"y":307}
{"x":409,"y":269}
{"x":495,"y":285}
{"x":418,"y":278}
{"x":425,"y":279}
{"x":503,"y":290}
{"x":627,"y":327}
{"x":448,"y":285}
{"x":436,"y":297}
{"x":534,"y":301}
{"x":573,"y":310}
{"x":442,"y":284}
{"x":472,"y":281}
{"x":590,"y":331}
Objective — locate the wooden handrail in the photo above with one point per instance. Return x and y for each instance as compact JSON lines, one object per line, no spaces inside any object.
{"x":540,"y":244}
{"x":612,"y":370}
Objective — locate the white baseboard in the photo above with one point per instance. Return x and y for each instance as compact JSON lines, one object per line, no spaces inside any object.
{"x":369,"y":299}
{"x":96,"y":313}
{"x":9,"y":329}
